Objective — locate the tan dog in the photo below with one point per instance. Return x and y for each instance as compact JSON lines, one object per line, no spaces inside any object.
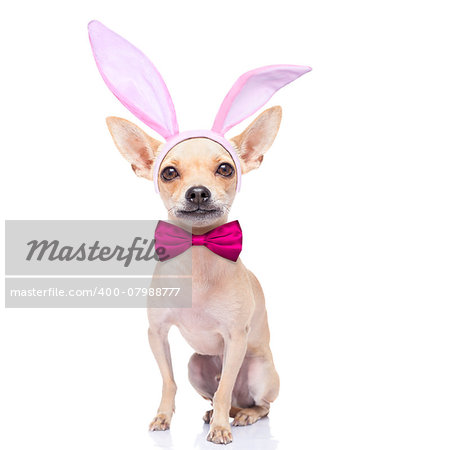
{"x":227,"y":324}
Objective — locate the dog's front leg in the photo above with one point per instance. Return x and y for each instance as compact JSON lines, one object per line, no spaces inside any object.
{"x":234,"y":352}
{"x":159,"y":343}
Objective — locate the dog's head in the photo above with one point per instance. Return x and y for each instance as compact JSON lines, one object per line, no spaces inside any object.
{"x":197,"y":178}
{"x":196,"y":172}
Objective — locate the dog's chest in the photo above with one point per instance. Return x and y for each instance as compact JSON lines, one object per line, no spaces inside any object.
{"x":220,"y":293}
{"x":200,"y":330}
{"x":202,"y":324}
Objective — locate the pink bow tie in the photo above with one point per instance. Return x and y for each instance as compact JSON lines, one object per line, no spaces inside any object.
{"x":225,"y":240}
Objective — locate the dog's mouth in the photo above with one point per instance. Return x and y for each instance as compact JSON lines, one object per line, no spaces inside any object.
{"x":199,"y":211}
{"x":199,"y":215}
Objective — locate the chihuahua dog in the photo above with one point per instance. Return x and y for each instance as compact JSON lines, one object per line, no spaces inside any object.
{"x":197,"y":174}
{"x":227,"y":324}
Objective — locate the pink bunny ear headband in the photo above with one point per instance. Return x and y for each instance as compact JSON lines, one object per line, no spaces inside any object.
{"x":134,"y":80}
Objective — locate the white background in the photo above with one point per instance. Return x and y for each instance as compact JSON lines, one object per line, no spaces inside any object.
{"x":346,"y":223}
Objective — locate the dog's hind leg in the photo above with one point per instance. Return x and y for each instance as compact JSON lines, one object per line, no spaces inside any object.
{"x":208,"y":414}
{"x":262,"y":385}
{"x":204,"y":375}
{"x":248,"y":416}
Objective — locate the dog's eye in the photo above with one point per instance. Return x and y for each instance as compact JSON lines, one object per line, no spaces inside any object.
{"x":169,"y":173}
{"x":225,"y":170}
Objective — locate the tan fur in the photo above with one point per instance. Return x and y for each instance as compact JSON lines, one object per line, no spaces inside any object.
{"x":227,"y":324}
{"x":257,"y":138}
{"x":137,"y":147}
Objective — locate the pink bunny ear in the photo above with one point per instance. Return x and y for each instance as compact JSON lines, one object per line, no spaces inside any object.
{"x":133,"y":79}
{"x":253,"y":90}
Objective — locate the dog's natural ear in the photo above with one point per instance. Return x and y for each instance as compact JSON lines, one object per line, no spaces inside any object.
{"x":137,"y":147}
{"x":257,"y":138}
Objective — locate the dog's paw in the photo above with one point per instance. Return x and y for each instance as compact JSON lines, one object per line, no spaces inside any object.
{"x":160,"y":423}
{"x":219,"y":435}
{"x":208,"y":415}
{"x":246,"y":416}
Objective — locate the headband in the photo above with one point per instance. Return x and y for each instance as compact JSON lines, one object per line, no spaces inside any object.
{"x":138,"y":85}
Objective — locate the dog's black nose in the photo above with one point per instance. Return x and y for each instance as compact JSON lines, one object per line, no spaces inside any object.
{"x":198,"y":194}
